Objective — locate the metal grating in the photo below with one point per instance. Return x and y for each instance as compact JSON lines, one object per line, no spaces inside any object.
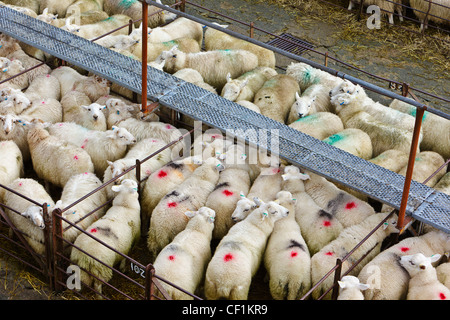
{"x":424,"y":203}
{"x":290,"y":43}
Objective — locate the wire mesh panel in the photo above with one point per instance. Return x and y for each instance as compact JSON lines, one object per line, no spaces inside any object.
{"x":290,"y":144}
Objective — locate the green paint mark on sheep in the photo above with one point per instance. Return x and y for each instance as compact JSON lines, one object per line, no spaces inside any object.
{"x":310,"y":118}
{"x":170,"y":43}
{"x":333,"y":139}
{"x":126,"y":4}
{"x":413,"y":112}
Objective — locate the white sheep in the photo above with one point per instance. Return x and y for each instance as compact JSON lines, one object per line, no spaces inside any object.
{"x":267,"y":184}
{"x":133,"y":9}
{"x":324,"y":260}
{"x":119,"y":41}
{"x":314,"y":99}
{"x":392,"y":159}
{"x":14,"y":101}
{"x":8,"y":45}
{"x":249,"y":105}
{"x":350,"y":288}
{"x":246,"y":86}
{"x":168,"y":217}
{"x":438,"y":11}
{"x":44,"y":86}
{"x":179,"y":28}
{"x":240,"y":253}
{"x":97,"y":29}
{"x":90,"y":116}
{"x":443,"y":184}
{"x":235,"y":62}
{"x":443,"y":272}
{"x":45,"y":109}
{"x":29,"y":9}
{"x":55,"y":6}
{"x":10,"y":68}
{"x":307,"y":75}
{"x":347,"y":209}
{"x":424,"y":284}
{"x":276,"y":97}
{"x":218,"y":40}
{"x":183,"y":262}
{"x":29,"y":62}
{"x":162,"y":181}
{"x":11,"y":164}
{"x":388,"y":8}
{"x":286,"y":258}
{"x":352,"y":140}
{"x":318,"y":226}
{"x":119,"y":227}
{"x":55,"y":160}
{"x":32,"y":227}
{"x":15,"y":129}
{"x":425,"y":164}
{"x":194,"y":77}
{"x":100,"y":145}
{"x":154,"y":49}
{"x":436,"y":130}
{"x":139,"y":151}
{"x":81,"y":214}
{"x":319,"y":125}
{"x":387,"y":279}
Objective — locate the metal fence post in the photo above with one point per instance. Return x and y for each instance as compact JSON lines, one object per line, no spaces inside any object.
{"x":337,"y":277}
{"x":57,"y":248}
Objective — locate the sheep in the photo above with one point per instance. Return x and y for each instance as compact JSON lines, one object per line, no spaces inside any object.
{"x":168,"y":218}
{"x":218,"y":40}
{"x":392,"y":159}
{"x":29,"y":8}
{"x":89,"y":116}
{"x":426,"y":163}
{"x":352,"y":140}
{"x":387,"y":7}
{"x":58,"y":7}
{"x":119,"y":41}
{"x":246,"y":86}
{"x":45,"y":109}
{"x":154,"y":49}
{"x":314,"y":99}
{"x":133,"y":9}
{"x":387,"y":279}
{"x":443,"y":185}
{"x":44,"y":86}
{"x":347,"y":209}
{"x":15,"y":129}
{"x":249,"y":105}
{"x":437,"y":11}
{"x":235,"y":62}
{"x":286,"y":258}
{"x":81,"y":214}
{"x":179,"y":28}
{"x":29,"y":62}
{"x":194,"y":77}
{"x":233,"y":181}
{"x":119,"y":227}
{"x":97,"y":29}
{"x":14,"y":101}
{"x":318,"y":226}
{"x":100,"y":145}
{"x":10,"y":68}
{"x":443,"y":272}
{"x":319,"y":125}
{"x":8,"y":45}
{"x":183,"y":261}
{"x":240,"y":253}
{"x":436,"y":130}
{"x":324,"y":260}
{"x":11,"y":164}
{"x":276,"y":97}
{"x":350,"y":288}
{"x":267,"y":184}
{"x":139,"y":151}
{"x":424,"y":284}
{"x":162,"y":181}
{"x":307,"y":75}
{"x":31,"y":229}
{"x":54,"y":160}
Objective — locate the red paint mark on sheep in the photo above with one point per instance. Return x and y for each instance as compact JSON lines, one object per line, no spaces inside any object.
{"x":162,"y":174}
{"x":350,"y":205}
{"x":93,"y":230}
{"x":171,"y":258}
{"x":168,"y":126}
{"x":329,"y":253}
{"x":293,"y":254}
{"x":404,"y":249}
{"x":20,"y":184}
{"x":76,"y":157}
{"x":227,"y":192}
{"x":228,"y":257}
{"x":172,"y":204}
{"x":442,"y":296}
{"x":326,"y":223}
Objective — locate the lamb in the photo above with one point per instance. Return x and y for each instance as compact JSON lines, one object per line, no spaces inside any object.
{"x":352,"y":140}
{"x":267,"y":184}
{"x":65,"y":161}
{"x":424,"y":284}
{"x":392,"y":159}
{"x":286,"y":257}
{"x":320,"y":125}
{"x":240,"y":253}
{"x":276,"y":97}
{"x":194,"y":77}
{"x":133,"y":9}
{"x":350,"y":288}
{"x":179,"y":28}
{"x":249,"y":105}
{"x":55,"y":6}
{"x":438,"y":11}
{"x":246,"y":86}
{"x":387,"y":279}
{"x":314,"y":99}
{"x":426,"y":163}
{"x":100,"y":145}
{"x":235,"y":62}
{"x":183,"y":262}
{"x":443,"y":272}
{"x":168,"y":218}
{"x":318,"y":226}
{"x":8,"y":45}
{"x":347,"y":209}
{"x":10,"y":68}
{"x":44,"y":86}
{"x":324,"y":260}
{"x":81,"y":214}
{"x":45,"y":109}
{"x":154,"y":49}
{"x":307,"y":75}
{"x":162,"y":181}
{"x":443,"y":184}
{"x":436,"y":130}
{"x":119,"y":228}
{"x":11,"y":164}
{"x":387,"y":7}
{"x":31,"y":229}
{"x":119,"y":41}
{"x":97,"y":29}
{"x":139,"y":151}
{"x":218,"y":40}
{"x":15,"y":129}
{"x":14,"y":101}
{"x":29,"y":62}
{"x":89,"y":116}
{"x":30,"y":9}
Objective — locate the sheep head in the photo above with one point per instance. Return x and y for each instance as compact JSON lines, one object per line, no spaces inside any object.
{"x":418,"y":263}
{"x":233,"y":88}
{"x":349,"y":282}
{"x":95,"y":110}
{"x":303,"y":105}
{"x":243,"y":208}
{"x":122,"y":135}
{"x":293,"y":173}
{"x":207,"y":213}
{"x":35,"y":214}
{"x":127,"y":185}
{"x":273,"y":211}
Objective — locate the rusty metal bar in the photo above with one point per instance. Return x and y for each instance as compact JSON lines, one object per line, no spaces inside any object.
{"x":337,"y":275}
{"x":57,"y":246}
{"x":252,"y":29}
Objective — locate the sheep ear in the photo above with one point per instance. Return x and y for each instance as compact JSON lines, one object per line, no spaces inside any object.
{"x":435,"y":257}
{"x":110,"y":163}
{"x":363,"y":286}
{"x":244,"y":83}
{"x":341,"y":284}
{"x":45,"y":11}
{"x":297,"y":96}
{"x":242,"y":194}
{"x":190,"y":214}
{"x":228,"y":77}
{"x":116,"y":188}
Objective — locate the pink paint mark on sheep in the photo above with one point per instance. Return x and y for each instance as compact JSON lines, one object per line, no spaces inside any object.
{"x":162,"y":174}
{"x":329,"y":253}
{"x":172,"y":204}
{"x":404,"y":249}
{"x":60,"y":124}
{"x":20,"y":184}
{"x":228,"y":257}
{"x":43,"y":102}
{"x":48,"y":76}
{"x":93,"y":230}
{"x":171,"y":257}
{"x":350,"y":205}
{"x":442,"y":296}
{"x":294,"y":254}
{"x":227,"y":193}
{"x":169,"y":126}
{"x":76,"y":157}
{"x":148,"y":172}
{"x":326,"y":223}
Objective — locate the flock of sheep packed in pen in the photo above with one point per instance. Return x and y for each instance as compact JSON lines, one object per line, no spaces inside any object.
{"x":74,"y":131}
